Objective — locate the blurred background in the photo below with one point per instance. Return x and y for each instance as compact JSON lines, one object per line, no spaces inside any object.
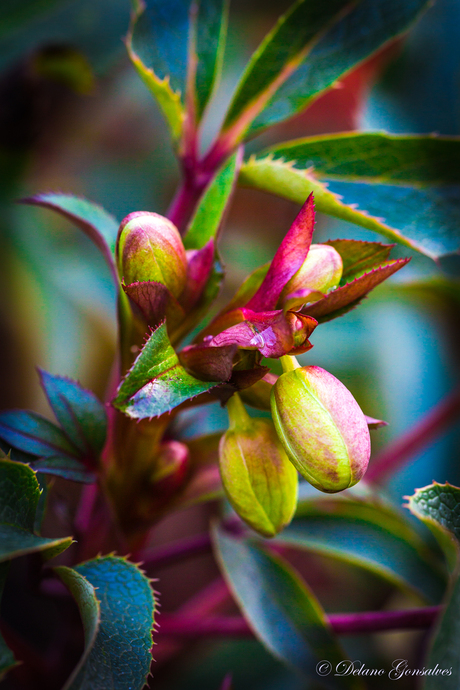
{"x":75,"y":117}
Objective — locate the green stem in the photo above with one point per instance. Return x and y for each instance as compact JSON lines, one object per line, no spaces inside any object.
{"x":289,"y":363}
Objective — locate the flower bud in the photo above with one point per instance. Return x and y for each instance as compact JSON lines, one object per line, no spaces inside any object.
{"x":321,"y":270}
{"x":321,"y":427}
{"x":259,"y":480}
{"x":149,"y":248}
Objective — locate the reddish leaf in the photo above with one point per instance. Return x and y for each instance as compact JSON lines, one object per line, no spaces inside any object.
{"x":343,"y":299}
{"x":288,"y":259}
{"x":209,"y":363}
{"x":375,"y":423}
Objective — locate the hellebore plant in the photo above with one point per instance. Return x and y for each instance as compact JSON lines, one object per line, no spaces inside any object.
{"x":175,"y":354}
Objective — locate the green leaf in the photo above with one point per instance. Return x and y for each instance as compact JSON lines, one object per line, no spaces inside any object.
{"x":283,"y":613}
{"x":359,"y":34}
{"x":209,"y":26}
{"x":19,"y":498}
{"x":277,"y":58}
{"x":406,"y":188}
{"x":7,"y":660}
{"x":208,"y":216}
{"x":98,"y":224}
{"x":79,"y":412}
{"x":117,"y":607}
{"x":376,"y":157}
{"x":370,"y":536}
{"x":438,"y":506}
{"x":157,"y":383}
{"x":15,"y":15}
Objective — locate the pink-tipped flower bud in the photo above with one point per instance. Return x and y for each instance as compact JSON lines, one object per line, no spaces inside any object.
{"x":259,"y":480}
{"x":321,"y":427}
{"x":149,"y":248}
{"x":321,"y":271}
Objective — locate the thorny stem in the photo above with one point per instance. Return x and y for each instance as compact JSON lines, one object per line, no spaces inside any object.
{"x":342,"y":623}
{"x":421,"y":435}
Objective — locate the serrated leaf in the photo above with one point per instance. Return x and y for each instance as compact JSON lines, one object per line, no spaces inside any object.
{"x":7,"y":660}
{"x":368,"y":536}
{"x":117,"y":607}
{"x":341,"y":300}
{"x":283,"y":613}
{"x":157,"y":382}
{"x":426,"y":219}
{"x":79,"y":412}
{"x":277,"y":58}
{"x":352,"y":39}
{"x":100,"y":226}
{"x":19,"y":497}
{"x":438,"y":506}
{"x":360,"y":257}
{"x":211,"y":208}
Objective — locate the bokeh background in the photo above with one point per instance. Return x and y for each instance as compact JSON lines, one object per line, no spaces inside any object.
{"x":75,"y":117}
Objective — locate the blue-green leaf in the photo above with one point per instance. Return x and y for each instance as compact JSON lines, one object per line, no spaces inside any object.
{"x":283,"y":613}
{"x":211,"y":208}
{"x":165,"y":40}
{"x":369,"y":535}
{"x":97,"y":223}
{"x":445,"y":651}
{"x":157,"y":382}
{"x":63,"y":466}
{"x":359,"y":34}
{"x":31,"y":433}
{"x":117,"y":607}
{"x":79,"y":412}
{"x":19,"y":498}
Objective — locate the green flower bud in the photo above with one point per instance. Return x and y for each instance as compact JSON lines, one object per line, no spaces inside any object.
{"x":149,"y":248}
{"x":321,"y":427}
{"x":321,"y":270}
{"x":259,"y":480}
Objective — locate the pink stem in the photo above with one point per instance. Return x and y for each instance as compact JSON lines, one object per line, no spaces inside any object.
{"x":342,"y":623}
{"x":421,"y":435}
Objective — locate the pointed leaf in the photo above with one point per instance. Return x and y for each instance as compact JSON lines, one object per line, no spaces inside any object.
{"x":360,"y":257}
{"x":373,"y":423}
{"x":341,"y":300}
{"x":283,"y":613}
{"x":117,"y":607}
{"x":157,"y":382}
{"x":277,"y":58}
{"x":78,"y":411}
{"x":97,"y":223}
{"x":209,"y":363}
{"x":19,"y":497}
{"x":370,"y":537}
{"x":210,"y":212}
{"x":287,"y":260}
{"x":352,"y":39}
{"x":31,"y":433}
{"x":438,"y":506}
